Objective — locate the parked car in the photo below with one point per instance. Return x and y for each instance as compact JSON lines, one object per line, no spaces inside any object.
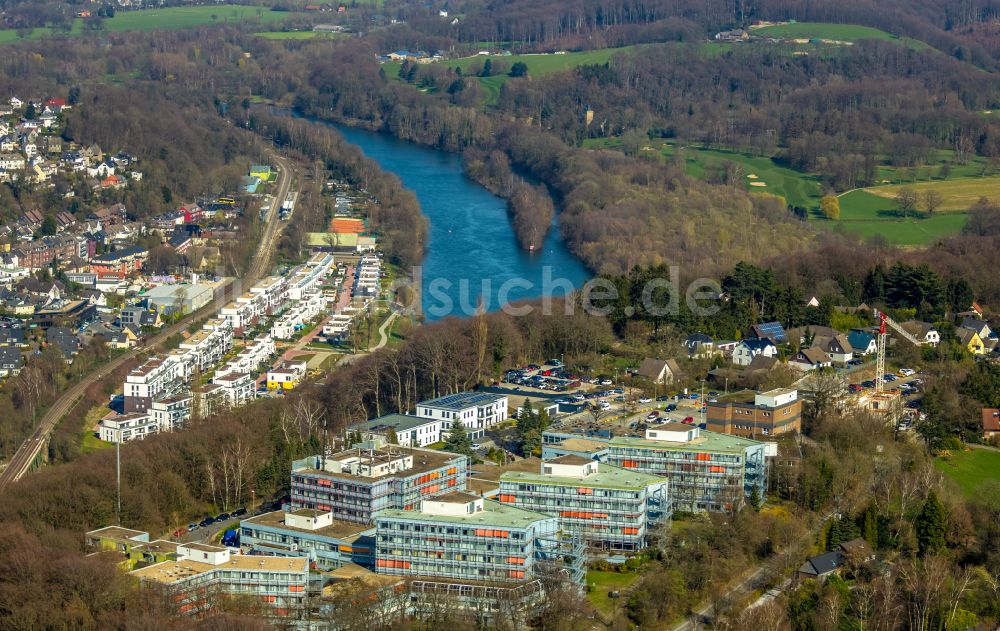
{"x":854,"y":387}
{"x":476,"y":446}
{"x":208,"y":521}
{"x":606,"y":382}
{"x":222,"y":517}
{"x":663,"y":398}
{"x":604,"y":405}
{"x":180,"y":532}
{"x":889,"y":377}
{"x":906,"y":372}
{"x":868,"y":384}
{"x":239,"y":512}
{"x":652,"y":416}
{"x":693,"y":395}
{"x":689,"y":420}
{"x":855,"y":362}
{"x":193,"y":526}
{"x":670,"y":407}
{"x":645,"y":400}
{"x":702,"y":425}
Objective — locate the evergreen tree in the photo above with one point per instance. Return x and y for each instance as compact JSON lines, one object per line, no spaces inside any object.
{"x":931,"y":524}
{"x":755,"y":498}
{"x":458,"y":441}
{"x":391,"y":437}
{"x":869,"y":526}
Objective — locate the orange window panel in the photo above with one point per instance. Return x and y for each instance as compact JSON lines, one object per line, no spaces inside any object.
{"x":345,"y":548}
{"x":582,"y":490}
{"x":296,"y":588}
{"x":516,"y":573}
{"x":452,"y":482}
{"x":323,"y":482}
{"x":630,"y":464}
{"x":452,"y":470}
{"x":703,"y":457}
{"x":716,"y":469}
{"x":630,"y":531}
{"x":434,"y":488}
{"x":515,"y":560}
{"x":509,"y":499}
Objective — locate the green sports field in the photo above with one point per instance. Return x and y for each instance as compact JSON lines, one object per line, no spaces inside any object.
{"x":169,"y":18}
{"x":976,"y":472}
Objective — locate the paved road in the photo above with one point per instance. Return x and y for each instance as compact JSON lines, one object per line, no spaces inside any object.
{"x":21,"y":461}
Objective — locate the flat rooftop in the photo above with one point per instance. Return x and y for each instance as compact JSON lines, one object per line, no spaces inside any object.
{"x":424,"y":461}
{"x":171,"y":572}
{"x":494,"y":514}
{"x":707,"y":441}
{"x":462,"y":400}
{"x":115,"y":532}
{"x":492,"y":474}
{"x":584,"y":445}
{"x":398,"y":422}
{"x":607,"y":477}
{"x":160,"y":546}
{"x":345,"y":531}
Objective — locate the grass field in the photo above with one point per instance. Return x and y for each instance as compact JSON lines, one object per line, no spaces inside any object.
{"x":298,"y":35}
{"x":604,"y":582}
{"x":818,"y":30}
{"x":169,"y":18}
{"x":865,"y":215}
{"x":976,"y":472}
{"x":956,"y":194}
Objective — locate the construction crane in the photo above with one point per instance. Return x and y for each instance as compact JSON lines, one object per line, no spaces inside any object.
{"x":883,"y":335}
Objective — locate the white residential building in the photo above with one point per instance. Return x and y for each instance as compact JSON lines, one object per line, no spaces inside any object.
{"x":121,"y":428}
{"x":237,"y":387}
{"x":476,"y":410}
{"x":158,"y":376}
{"x":170,"y":413}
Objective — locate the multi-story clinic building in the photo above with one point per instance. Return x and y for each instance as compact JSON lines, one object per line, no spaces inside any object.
{"x":707,"y":471}
{"x":327,"y":542}
{"x":200,"y":573}
{"x":460,"y":537}
{"x":608,"y":507}
{"x":353,"y":484}
{"x":476,"y":410}
{"x":771,"y":413}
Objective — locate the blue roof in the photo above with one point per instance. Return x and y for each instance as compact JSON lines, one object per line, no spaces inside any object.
{"x":757,"y":344}
{"x":772,"y":331}
{"x":860,"y":340}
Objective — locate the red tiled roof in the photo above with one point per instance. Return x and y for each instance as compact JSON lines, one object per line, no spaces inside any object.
{"x":991,"y":420}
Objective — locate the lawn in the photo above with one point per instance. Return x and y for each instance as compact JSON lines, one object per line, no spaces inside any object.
{"x":956,"y":194}
{"x":865,"y":215}
{"x":601,"y":583}
{"x":90,"y":443}
{"x":297,"y":34}
{"x":818,"y":30}
{"x":169,"y":18}
{"x":976,"y":472}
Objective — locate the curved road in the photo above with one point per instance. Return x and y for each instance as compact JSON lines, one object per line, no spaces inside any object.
{"x":26,"y":454}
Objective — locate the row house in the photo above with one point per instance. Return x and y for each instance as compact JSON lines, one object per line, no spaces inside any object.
{"x":299,"y":314}
{"x":41,"y":253}
{"x":367,"y":278}
{"x":308,"y":277}
{"x":250,"y":360}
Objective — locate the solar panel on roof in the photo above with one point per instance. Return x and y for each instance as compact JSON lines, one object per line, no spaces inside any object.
{"x":772,"y":330}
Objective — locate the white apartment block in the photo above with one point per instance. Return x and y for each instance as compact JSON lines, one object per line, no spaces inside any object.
{"x":158,"y":376}
{"x":250,"y":360}
{"x":238,"y":388}
{"x":272,"y":291}
{"x":367,"y":277}
{"x":170,"y":413}
{"x":298,"y":315}
{"x":121,"y":428}
{"x":475,"y":410}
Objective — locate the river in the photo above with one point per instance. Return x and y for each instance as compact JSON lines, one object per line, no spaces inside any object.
{"x":471,"y":249}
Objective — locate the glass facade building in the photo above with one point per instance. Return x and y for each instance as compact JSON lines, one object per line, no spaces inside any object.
{"x":608,"y":507}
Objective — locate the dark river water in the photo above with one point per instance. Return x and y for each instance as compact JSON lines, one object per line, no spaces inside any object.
{"x":471,"y":250}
